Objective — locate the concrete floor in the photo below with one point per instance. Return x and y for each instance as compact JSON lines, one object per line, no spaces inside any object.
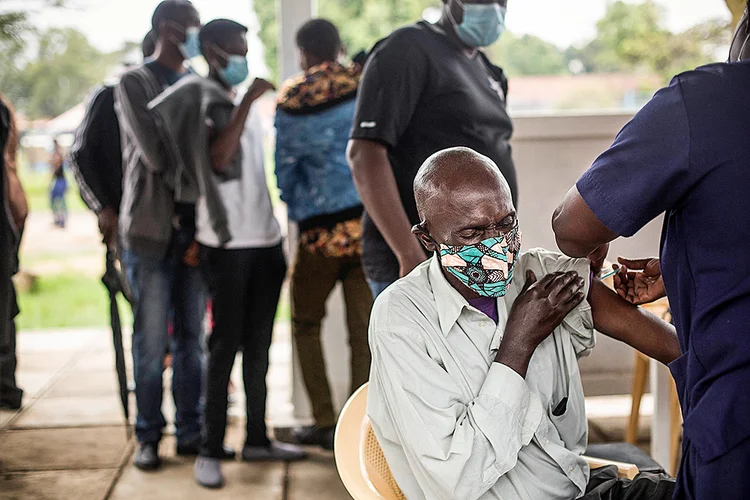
{"x":69,"y":441}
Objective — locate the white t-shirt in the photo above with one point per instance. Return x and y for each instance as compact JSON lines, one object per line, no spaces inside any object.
{"x":248,"y":204}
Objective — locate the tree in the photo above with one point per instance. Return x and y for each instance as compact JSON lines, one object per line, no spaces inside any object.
{"x":527,"y":55}
{"x":13,"y":20}
{"x":66,"y":67}
{"x":632,"y":38}
{"x":361,"y":22}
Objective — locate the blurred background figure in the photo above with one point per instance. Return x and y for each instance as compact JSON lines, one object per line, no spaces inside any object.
{"x":157,"y":236}
{"x":14,"y":213}
{"x":242,"y":260}
{"x":314,"y":116}
{"x":59,"y":187}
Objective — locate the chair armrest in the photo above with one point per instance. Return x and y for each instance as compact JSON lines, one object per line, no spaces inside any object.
{"x":627,"y":471}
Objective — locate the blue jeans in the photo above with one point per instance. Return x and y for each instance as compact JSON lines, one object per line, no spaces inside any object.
{"x":160,"y":287}
{"x":378,"y":287}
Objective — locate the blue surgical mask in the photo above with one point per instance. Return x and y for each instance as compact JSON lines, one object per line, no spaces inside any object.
{"x":482,"y":24}
{"x":235,"y":72}
{"x":192,"y":46}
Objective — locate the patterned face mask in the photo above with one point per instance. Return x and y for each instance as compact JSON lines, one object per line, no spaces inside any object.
{"x":485,"y":267}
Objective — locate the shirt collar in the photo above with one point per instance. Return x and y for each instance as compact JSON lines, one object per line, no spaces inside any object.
{"x":449,"y":302}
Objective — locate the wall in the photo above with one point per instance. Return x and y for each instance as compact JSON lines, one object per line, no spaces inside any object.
{"x":551,"y":152}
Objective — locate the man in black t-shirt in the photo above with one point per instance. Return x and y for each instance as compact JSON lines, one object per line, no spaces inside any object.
{"x":425,"y":88}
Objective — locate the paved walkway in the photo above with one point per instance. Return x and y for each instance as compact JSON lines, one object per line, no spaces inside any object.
{"x":69,"y":441}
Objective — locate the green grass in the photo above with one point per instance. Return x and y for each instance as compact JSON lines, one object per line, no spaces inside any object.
{"x":65,"y":301}
{"x":37,"y":187}
{"x":68,"y":300}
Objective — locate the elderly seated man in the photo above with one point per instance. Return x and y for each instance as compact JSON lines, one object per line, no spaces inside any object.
{"x":475,"y":391}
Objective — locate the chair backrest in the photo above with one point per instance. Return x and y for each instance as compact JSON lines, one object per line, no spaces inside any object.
{"x":359,"y":458}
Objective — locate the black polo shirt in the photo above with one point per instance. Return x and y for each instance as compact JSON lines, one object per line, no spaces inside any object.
{"x":420,"y":94}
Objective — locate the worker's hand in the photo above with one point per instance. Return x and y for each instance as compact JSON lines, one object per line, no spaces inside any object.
{"x":541,"y":308}
{"x":258,"y":88}
{"x":639,"y":281}
{"x":108,"y":226}
{"x":597,"y":258}
{"x":192,"y":255}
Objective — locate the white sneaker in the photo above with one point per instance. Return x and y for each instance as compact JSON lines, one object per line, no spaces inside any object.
{"x":208,"y":472}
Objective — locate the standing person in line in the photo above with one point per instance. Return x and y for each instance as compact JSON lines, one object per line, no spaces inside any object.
{"x":59,"y":187}
{"x":241,"y":254}
{"x":96,"y":156}
{"x":313,"y":120}
{"x":686,"y":155}
{"x":425,"y":88}
{"x":15,"y":209}
{"x":156,"y":235}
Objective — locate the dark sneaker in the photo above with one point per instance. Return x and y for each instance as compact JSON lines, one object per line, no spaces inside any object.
{"x":208,"y":472}
{"x":314,"y":436}
{"x":278,"y":452}
{"x":147,"y":457}
{"x":10,"y":405}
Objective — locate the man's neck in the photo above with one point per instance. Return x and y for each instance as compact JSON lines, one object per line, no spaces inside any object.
{"x":169,"y":56}
{"x":449,"y":30}
{"x":214,"y":77}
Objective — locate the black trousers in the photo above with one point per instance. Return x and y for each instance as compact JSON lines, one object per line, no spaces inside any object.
{"x":9,"y":392}
{"x":604,"y":485}
{"x":244,"y":286}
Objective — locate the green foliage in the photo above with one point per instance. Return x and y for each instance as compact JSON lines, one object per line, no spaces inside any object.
{"x":631,"y":37}
{"x":67,"y":300}
{"x":361,"y":22}
{"x":65,"y":68}
{"x":527,"y":55}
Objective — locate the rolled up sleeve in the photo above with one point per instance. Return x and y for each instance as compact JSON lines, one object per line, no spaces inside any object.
{"x":580,"y":322}
{"x":456,"y":447}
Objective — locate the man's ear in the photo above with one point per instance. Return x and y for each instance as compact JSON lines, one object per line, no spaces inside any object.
{"x":424,"y":238}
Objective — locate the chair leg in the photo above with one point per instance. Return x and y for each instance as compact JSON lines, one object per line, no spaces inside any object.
{"x":640,"y":376}
{"x":675,"y":430}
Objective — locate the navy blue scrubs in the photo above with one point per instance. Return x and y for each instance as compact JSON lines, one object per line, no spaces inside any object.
{"x":687,"y":154}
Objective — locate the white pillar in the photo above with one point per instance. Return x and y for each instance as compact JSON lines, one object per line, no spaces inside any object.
{"x":661,"y":387}
{"x":292,"y":14}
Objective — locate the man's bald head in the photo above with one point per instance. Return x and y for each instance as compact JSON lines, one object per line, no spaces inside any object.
{"x":456,"y":173}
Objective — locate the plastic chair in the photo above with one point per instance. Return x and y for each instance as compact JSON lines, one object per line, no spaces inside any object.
{"x":362,"y":465}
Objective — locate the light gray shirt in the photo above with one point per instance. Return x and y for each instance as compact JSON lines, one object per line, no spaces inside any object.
{"x":452,"y":423}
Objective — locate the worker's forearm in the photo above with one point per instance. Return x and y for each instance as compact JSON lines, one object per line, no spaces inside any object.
{"x":226,"y":143}
{"x":617,"y":318}
{"x":377,"y":187}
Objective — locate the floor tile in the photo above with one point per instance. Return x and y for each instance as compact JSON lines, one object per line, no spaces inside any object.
{"x":41,"y":449}
{"x":317,"y":474}
{"x":56,"y":485}
{"x":72,"y":412}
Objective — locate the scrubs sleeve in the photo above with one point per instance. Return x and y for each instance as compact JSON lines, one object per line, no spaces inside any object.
{"x":646,"y":171}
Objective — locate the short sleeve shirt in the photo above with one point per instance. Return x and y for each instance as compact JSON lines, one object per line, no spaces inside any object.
{"x":687,"y":154}
{"x":420,"y":94}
